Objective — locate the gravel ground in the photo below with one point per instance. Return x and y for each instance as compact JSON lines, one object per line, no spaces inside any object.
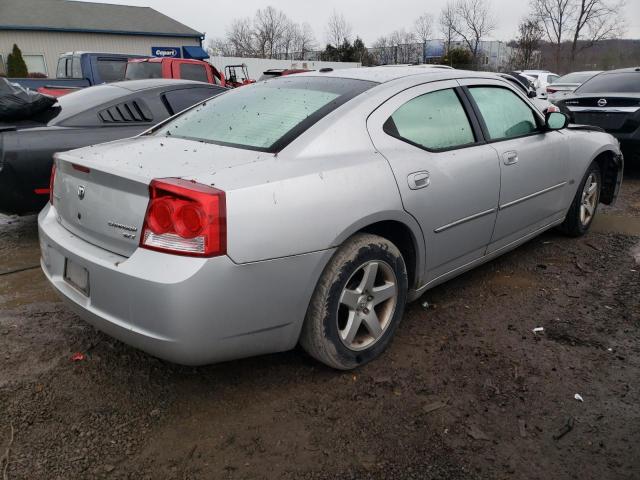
{"x":466,"y":390}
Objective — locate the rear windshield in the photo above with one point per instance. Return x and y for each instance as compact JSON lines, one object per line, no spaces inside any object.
{"x":575,"y":78}
{"x":140,"y":70}
{"x":111,"y":70}
{"x":628,"y":82}
{"x":265,"y":116}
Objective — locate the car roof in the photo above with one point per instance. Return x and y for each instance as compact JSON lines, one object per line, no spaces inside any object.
{"x":147,"y":83}
{"x":622,"y":70}
{"x":383,"y":74}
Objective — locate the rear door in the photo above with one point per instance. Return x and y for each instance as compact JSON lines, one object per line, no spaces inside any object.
{"x":533,"y":162}
{"x":448,"y":178}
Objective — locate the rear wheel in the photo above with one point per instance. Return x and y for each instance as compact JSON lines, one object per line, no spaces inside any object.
{"x":358,"y":303}
{"x":585,"y":203}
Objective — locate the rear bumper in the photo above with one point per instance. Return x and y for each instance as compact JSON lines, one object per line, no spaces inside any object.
{"x":186,"y":310}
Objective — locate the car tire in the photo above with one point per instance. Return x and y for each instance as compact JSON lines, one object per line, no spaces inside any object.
{"x":358,"y":303}
{"x":585,"y":203}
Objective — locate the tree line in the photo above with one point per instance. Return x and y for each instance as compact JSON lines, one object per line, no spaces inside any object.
{"x":566,"y":28}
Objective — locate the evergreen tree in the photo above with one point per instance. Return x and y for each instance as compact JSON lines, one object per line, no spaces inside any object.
{"x":16,"y":67}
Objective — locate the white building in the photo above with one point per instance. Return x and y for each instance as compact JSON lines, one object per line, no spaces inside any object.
{"x":43,"y":29}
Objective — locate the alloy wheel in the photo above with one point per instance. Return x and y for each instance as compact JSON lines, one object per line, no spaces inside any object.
{"x":589,"y":200}
{"x":367,"y":304}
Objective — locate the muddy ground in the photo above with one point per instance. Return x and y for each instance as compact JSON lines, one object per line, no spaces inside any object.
{"x":466,"y":390}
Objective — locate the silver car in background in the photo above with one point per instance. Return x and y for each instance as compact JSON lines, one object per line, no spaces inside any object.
{"x":310,"y":208}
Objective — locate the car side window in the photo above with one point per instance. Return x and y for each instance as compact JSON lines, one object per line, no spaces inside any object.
{"x":190,"y":71}
{"x":505,"y":114}
{"x":435,"y":121}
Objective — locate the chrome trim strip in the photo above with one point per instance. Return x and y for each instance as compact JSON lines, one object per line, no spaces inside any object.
{"x":604,"y":109}
{"x":463,"y":220}
{"x":529,"y":197}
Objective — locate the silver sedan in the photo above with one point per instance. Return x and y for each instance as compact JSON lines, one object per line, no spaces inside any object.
{"x":311,"y":208}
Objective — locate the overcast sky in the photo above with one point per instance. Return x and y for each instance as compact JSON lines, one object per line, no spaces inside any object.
{"x":369,"y":19}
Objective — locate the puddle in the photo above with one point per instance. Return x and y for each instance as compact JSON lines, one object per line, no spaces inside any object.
{"x":623,"y":225}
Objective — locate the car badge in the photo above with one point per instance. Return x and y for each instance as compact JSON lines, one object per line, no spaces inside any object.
{"x":602,"y":102}
{"x":80,"y":192}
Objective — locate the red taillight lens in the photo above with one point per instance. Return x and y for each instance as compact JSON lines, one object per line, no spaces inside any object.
{"x":185,"y":218}
{"x":52,"y":180}
{"x":160,"y":216}
{"x":551,"y":90}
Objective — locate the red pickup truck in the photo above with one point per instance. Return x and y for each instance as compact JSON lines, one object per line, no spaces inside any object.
{"x":139,"y":68}
{"x":198,"y":70}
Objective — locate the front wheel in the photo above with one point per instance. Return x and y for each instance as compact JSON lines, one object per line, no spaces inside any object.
{"x":585,"y":203}
{"x":358,"y":303}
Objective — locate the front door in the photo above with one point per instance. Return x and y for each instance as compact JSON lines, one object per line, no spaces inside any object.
{"x":533,"y":162}
{"x":449,"y":180}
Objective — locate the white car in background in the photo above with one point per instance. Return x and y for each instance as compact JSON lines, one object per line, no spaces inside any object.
{"x":568,"y":83}
{"x":541,"y":79}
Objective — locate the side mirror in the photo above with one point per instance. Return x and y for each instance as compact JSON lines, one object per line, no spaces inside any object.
{"x":532,"y":94}
{"x":556,"y":120}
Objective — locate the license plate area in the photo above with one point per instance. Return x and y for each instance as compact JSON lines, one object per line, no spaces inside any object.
{"x":76,"y":276}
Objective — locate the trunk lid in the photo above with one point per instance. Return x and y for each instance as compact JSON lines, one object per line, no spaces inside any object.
{"x":101,"y":193}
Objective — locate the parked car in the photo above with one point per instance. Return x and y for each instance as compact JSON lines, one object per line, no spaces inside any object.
{"x":611,"y":101}
{"x":281,"y":72}
{"x":542,"y":78}
{"x":568,"y":83}
{"x":182,"y":68}
{"x":310,"y":208}
{"x":86,"y":117}
{"x":78,"y":70}
{"x":523,"y":84}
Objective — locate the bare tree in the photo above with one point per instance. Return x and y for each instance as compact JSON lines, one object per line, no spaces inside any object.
{"x":556,"y":19}
{"x":220,"y":47}
{"x":423,"y":28}
{"x":473,"y":23}
{"x":270,"y":26}
{"x":404,"y":44}
{"x":596,"y":20}
{"x":305,"y":41}
{"x":448,"y":21}
{"x":383,"y":52}
{"x":240,"y":38}
{"x":530,"y":33}
{"x":338,"y":29}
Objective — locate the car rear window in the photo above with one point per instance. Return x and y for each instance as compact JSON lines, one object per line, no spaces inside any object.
{"x":141,"y":70}
{"x":111,"y":70}
{"x":265,"y":116}
{"x":575,"y":78}
{"x":628,"y":82}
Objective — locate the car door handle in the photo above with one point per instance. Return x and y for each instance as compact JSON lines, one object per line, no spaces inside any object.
{"x":510,"y":158}
{"x":418,"y":180}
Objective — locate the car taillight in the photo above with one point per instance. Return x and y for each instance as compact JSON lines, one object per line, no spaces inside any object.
{"x":551,"y":90}
{"x":185,"y":218}
{"x":52,"y":180}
